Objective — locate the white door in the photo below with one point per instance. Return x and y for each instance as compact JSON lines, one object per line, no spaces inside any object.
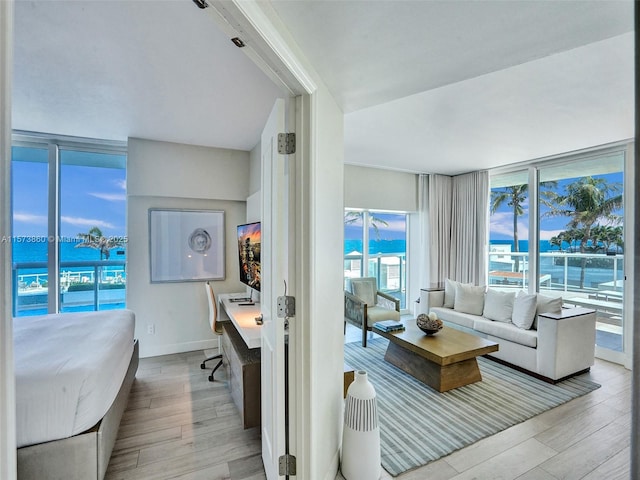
{"x":274,"y":274}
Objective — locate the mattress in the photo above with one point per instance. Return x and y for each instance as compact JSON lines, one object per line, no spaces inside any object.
{"x":68,"y":369}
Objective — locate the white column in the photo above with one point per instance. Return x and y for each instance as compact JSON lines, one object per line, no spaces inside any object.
{"x":7,"y":388}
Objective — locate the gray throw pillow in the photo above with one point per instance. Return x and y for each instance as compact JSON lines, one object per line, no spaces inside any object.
{"x":498,"y":305}
{"x":524,"y":311}
{"x":469,"y":299}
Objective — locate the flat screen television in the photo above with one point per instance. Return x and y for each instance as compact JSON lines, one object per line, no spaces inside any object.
{"x":249,"y":254}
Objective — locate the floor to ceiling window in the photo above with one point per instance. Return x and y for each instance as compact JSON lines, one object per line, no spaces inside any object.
{"x":572,"y":209}
{"x":581,"y":247}
{"x":384,"y":257}
{"x":69,"y":208}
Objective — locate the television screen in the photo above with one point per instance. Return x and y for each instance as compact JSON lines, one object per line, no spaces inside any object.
{"x":249,"y":254}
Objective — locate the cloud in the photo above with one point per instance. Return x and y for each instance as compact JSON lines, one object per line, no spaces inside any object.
{"x":30,"y":218}
{"x":111,"y":197}
{"x":547,"y":234}
{"x":501,"y":223}
{"x":86,"y":222}
{"x":121,"y":184}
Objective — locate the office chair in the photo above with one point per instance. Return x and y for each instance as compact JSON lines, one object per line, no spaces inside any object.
{"x":215,"y":328}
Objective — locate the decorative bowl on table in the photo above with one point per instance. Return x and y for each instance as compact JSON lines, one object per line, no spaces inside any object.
{"x":429,"y":324}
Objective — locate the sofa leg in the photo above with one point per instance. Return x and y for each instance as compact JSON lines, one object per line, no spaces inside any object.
{"x":364,"y":336}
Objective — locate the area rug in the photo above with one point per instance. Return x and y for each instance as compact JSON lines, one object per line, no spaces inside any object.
{"x":419,"y":425}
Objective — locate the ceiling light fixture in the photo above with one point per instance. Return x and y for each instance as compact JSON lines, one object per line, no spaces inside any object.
{"x":201,"y":3}
{"x":237,"y":41}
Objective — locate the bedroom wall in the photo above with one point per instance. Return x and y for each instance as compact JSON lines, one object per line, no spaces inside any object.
{"x":176,"y":176}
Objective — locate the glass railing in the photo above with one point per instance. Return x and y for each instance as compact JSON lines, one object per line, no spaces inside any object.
{"x":84,"y":286}
{"x":566,"y":272}
{"x":388,"y":268}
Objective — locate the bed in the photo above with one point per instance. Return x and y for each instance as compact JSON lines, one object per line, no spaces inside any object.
{"x":73,"y":375}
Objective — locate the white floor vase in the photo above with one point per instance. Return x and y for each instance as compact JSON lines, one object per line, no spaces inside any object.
{"x":361,"y":432}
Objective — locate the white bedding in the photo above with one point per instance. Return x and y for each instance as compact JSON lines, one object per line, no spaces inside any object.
{"x":69,"y":368}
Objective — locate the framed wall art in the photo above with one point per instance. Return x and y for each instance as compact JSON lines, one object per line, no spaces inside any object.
{"x":186,"y":245}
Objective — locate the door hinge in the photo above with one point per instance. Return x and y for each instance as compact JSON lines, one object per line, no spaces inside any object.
{"x":286,"y":143}
{"x":287,"y":465}
{"x":286,"y":306}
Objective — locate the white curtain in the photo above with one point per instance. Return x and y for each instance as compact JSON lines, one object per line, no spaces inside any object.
{"x":439,"y":224}
{"x":425,"y":240}
{"x":469,"y":212}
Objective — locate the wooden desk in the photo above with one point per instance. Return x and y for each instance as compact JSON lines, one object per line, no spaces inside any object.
{"x":241,"y":339}
{"x":242,"y":316}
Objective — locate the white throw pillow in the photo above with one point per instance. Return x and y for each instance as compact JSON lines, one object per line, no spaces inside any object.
{"x":498,"y":305}
{"x":469,"y":299}
{"x":364,"y":291}
{"x":449,"y":293}
{"x":524,"y":311}
{"x":547,"y":305}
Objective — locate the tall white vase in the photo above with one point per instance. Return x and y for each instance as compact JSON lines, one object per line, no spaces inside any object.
{"x":361,"y":433}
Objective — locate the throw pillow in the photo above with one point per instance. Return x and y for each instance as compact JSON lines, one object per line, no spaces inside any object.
{"x":498,"y":305}
{"x":469,"y":299}
{"x":449,"y":293}
{"x":547,"y":305}
{"x":364,"y":291}
{"x":524,"y":311}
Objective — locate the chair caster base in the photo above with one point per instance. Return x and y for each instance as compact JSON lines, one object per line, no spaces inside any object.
{"x":202,"y":366}
{"x":211,"y":378}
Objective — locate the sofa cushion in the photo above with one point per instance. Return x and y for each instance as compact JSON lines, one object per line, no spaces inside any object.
{"x":498,"y":305}
{"x":524,"y":311}
{"x":449,"y":293}
{"x":377,"y":314}
{"x":451,"y":316}
{"x":469,"y":299}
{"x":507,"y":331}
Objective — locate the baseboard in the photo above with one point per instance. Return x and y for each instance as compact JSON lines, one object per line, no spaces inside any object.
{"x":157,"y":350}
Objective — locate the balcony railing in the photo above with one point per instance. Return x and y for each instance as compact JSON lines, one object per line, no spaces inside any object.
{"x":84,"y":285}
{"x":388,"y":268}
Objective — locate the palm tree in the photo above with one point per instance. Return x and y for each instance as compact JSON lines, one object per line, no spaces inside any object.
{"x":586,"y":202}
{"x":94,"y":239}
{"x":515,"y":196}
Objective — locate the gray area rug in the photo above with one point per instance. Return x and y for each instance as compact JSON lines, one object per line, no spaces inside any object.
{"x":419,"y":425}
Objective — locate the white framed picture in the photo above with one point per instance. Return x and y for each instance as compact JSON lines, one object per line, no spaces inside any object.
{"x":186,"y":245}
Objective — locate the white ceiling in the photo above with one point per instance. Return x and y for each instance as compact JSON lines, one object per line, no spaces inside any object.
{"x":427,"y":86}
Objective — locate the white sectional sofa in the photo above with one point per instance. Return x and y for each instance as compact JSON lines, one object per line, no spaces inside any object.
{"x":534,"y":332}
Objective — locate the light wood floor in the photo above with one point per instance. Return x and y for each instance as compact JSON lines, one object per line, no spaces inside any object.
{"x":179,"y":425}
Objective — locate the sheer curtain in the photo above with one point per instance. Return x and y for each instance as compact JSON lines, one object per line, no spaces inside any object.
{"x":469,"y":228}
{"x":453,"y":228}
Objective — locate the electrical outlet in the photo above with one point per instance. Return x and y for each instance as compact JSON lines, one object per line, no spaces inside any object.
{"x":151,"y":329}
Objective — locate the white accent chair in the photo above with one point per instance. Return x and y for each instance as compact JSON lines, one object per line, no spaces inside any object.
{"x":365,"y":305}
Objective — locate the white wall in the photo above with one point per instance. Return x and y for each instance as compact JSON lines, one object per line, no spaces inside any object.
{"x":174,"y":176}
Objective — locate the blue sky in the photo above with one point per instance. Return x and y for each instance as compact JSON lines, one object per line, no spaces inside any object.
{"x":90,"y":197}
{"x":501,"y":222}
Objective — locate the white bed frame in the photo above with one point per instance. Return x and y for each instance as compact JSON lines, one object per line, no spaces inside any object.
{"x":84,"y":456}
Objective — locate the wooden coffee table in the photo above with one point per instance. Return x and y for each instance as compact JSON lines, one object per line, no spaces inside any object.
{"x":443,"y":361}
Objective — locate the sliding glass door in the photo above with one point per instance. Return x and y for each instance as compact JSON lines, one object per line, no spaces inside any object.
{"x":581,"y":247}
{"x":557,"y":227}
